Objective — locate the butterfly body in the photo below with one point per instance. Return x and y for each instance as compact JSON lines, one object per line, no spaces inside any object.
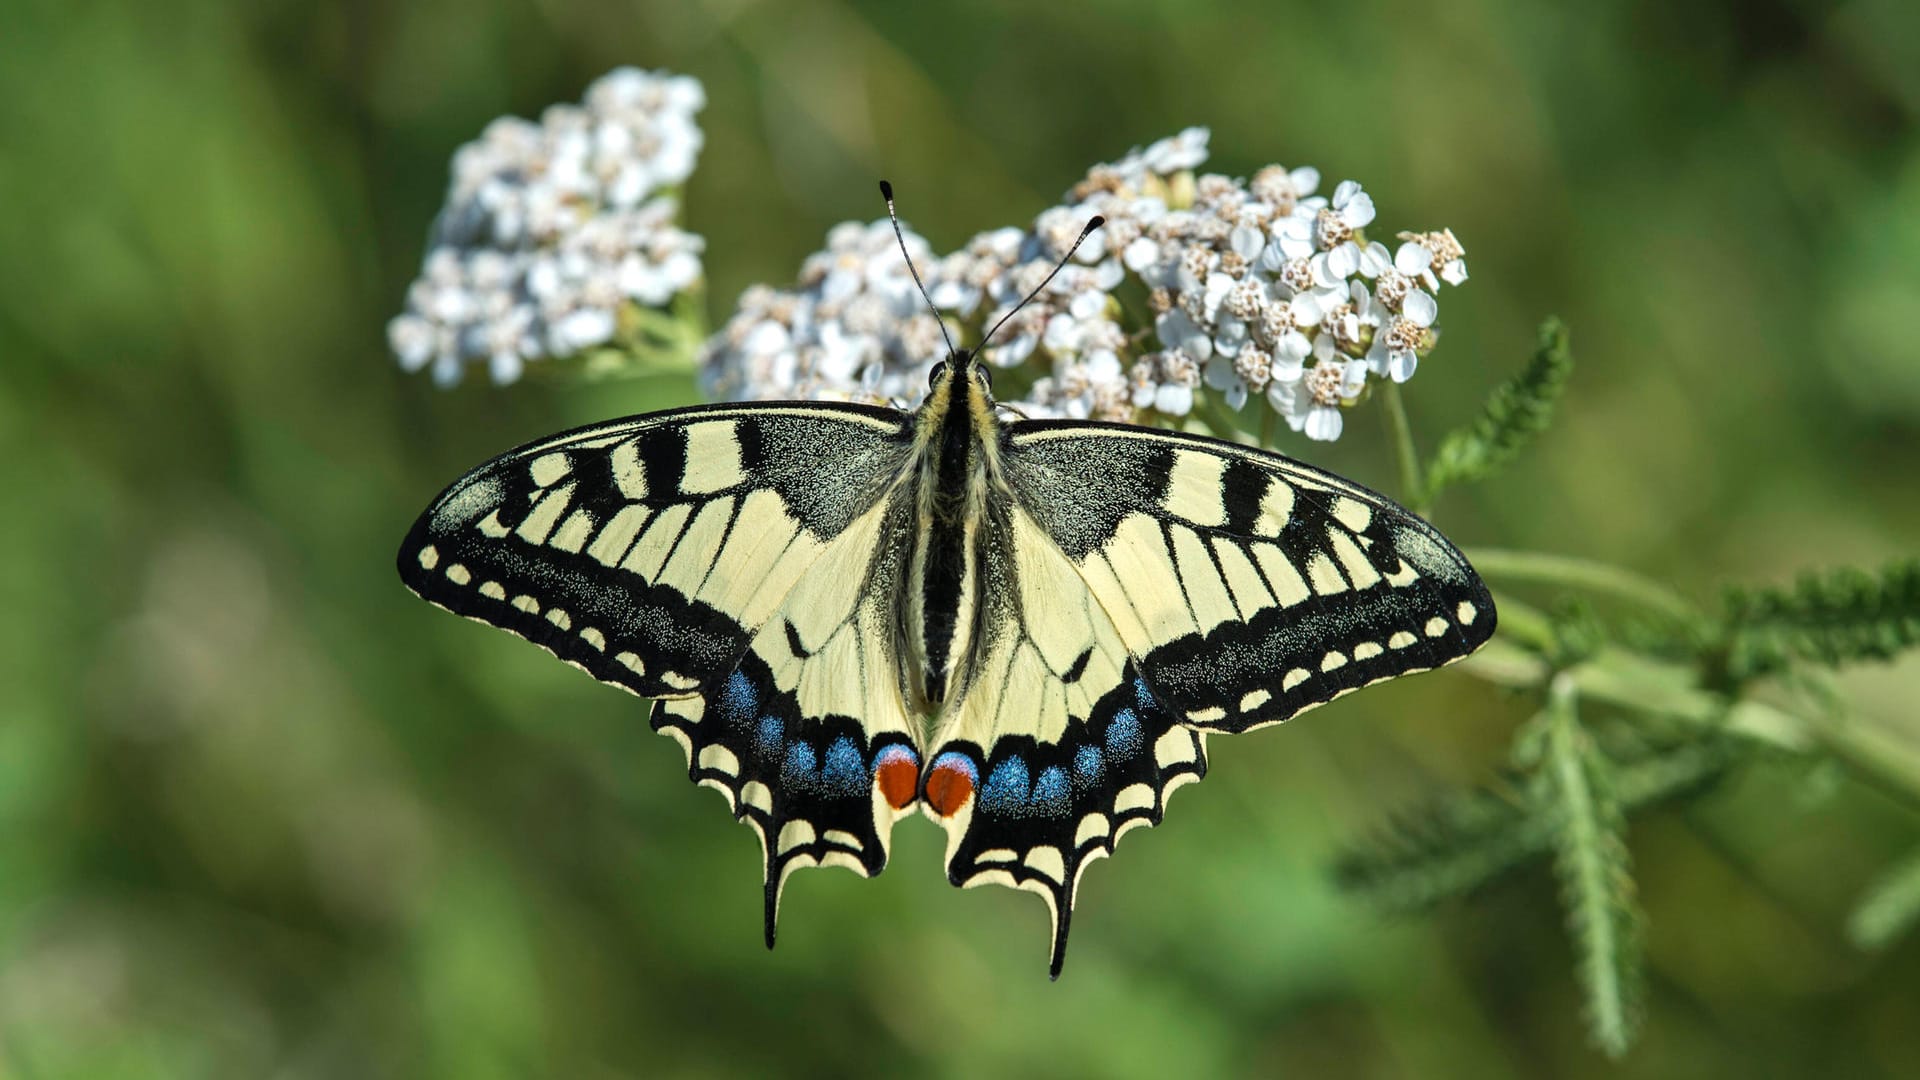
{"x":1025,"y":631}
{"x":956,"y":435}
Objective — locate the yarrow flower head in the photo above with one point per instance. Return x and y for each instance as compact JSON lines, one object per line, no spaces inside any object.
{"x":855,"y":329}
{"x":1261,"y":290}
{"x":551,"y":230}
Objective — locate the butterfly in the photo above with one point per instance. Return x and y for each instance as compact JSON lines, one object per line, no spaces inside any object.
{"x":1024,"y":629}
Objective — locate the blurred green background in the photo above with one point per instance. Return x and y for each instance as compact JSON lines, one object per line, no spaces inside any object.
{"x":264,"y":813}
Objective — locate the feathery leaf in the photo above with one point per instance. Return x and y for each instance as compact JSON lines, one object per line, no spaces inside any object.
{"x":1518,"y":410}
{"x":1467,"y":840}
{"x":1596,"y":873}
{"x":1831,"y":618}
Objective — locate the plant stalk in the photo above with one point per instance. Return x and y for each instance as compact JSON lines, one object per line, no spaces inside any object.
{"x":1572,"y":572}
{"x":1400,"y":431}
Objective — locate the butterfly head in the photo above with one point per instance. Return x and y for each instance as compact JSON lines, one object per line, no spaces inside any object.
{"x":964,"y":362}
{"x":965,"y":366}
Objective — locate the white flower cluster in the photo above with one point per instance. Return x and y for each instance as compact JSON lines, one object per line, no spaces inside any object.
{"x":856,"y":329}
{"x":551,"y":227}
{"x":1258,"y":287}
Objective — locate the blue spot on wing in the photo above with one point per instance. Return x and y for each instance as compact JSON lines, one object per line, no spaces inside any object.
{"x":1051,"y":792}
{"x":1123,"y":734}
{"x":845,"y":770}
{"x":1005,"y":791}
{"x":1086,"y":766}
{"x":800,"y":765}
{"x":773,"y":734}
{"x":738,"y":699}
{"x":1142,"y":696}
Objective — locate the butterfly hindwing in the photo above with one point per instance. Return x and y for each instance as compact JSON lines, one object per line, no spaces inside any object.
{"x":809,"y":735}
{"x":709,"y":558}
{"x":805,"y":783}
{"x":1046,"y":810}
{"x":1061,"y":742}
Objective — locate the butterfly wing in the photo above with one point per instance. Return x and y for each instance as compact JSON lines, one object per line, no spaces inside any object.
{"x":709,"y":558}
{"x":1248,"y":586}
{"x":1148,"y":588}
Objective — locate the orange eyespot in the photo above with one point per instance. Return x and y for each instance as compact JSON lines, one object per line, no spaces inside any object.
{"x":898,"y":775}
{"x":950,"y":783}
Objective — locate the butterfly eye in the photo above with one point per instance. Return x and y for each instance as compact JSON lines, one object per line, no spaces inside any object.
{"x":933,"y":376}
{"x":986,"y":375}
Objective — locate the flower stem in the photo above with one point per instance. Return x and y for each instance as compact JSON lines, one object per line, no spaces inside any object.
{"x":1572,"y":572}
{"x":1412,"y":489}
{"x":1524,"y":623}
{"x":1628,"y":680}
{"x":1219,"y":419}
{"x":1883,"y":759}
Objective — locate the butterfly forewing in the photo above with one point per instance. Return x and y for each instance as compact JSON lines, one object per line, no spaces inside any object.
{"x":712,"y":558}
{"x":1248,"y":587}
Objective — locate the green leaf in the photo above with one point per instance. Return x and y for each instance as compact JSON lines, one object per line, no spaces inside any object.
{"x":1578,"y":633}
{"x":1518,"y":410}
{"x":1451,"y":848}
{"x":1890,"y":906}
{"x":1462,"y":842}
{"x":1832,"y":618}
{"x":1596,"y":873}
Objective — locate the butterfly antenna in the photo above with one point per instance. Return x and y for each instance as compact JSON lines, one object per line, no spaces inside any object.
{"x":1064,"y":259}
{"x":886,"y":192}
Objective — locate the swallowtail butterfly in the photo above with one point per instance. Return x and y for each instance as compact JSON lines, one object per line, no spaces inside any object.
{"x":1023,"y":629}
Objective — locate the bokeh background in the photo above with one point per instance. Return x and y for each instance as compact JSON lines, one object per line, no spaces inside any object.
{"x":262,"y":813}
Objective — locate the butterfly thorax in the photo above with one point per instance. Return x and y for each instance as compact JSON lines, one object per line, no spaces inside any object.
{"x":956,"y":437}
